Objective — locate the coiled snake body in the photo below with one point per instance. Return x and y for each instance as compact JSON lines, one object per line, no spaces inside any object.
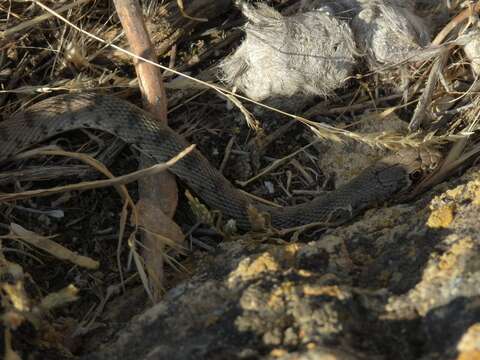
{"x":62,"y":113}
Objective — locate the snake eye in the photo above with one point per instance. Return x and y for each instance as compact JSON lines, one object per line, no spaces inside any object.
{"x":416,"y":175}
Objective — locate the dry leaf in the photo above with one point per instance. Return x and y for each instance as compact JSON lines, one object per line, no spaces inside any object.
{"x":46,"y":244}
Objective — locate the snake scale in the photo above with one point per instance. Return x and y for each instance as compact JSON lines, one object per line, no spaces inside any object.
{"x":376,"y":184}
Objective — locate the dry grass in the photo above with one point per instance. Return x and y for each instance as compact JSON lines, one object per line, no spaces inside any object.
{"x":80,"y":47}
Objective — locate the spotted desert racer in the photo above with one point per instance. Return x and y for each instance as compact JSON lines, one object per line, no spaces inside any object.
{"x":376,"y":184}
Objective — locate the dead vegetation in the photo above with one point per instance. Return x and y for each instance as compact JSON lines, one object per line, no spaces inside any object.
{"x":78,"y":243}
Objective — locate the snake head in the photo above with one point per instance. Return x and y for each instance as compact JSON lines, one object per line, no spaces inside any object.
{"x":417,"y":163}
{"x":392,"y":176}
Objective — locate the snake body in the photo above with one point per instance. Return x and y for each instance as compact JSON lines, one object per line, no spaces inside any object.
{"x":62,"y":113}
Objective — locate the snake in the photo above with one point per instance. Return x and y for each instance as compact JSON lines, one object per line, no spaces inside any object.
{"x":391,"y":175}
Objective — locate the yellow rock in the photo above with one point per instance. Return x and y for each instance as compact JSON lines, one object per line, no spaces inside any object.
{"x":469,"y":345}
{"x":454,"y":193}
{"x":476,"y":196}
{"x":469,"y":355}
{"x":253,"y":267}
{"x":278,"y":353}
{"x":442,"y":217}
{"x":449,"y":260}
{"x":264,"y":263}
{"x":279,"y":294}
{"x":305,"y":273}
{"x":333,"y":291}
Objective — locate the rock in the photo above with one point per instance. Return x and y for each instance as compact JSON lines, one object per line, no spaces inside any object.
{"x":286,"y":60}
{"x":308,"y":53}
{"x":392,"y":284}
{"x":472,"y":50}
{"x":389,"y":32}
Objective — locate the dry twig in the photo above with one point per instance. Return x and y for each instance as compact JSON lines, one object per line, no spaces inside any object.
{"x":158,"y":194}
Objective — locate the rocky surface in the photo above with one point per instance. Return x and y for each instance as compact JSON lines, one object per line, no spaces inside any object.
{"x":401,"y":282}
